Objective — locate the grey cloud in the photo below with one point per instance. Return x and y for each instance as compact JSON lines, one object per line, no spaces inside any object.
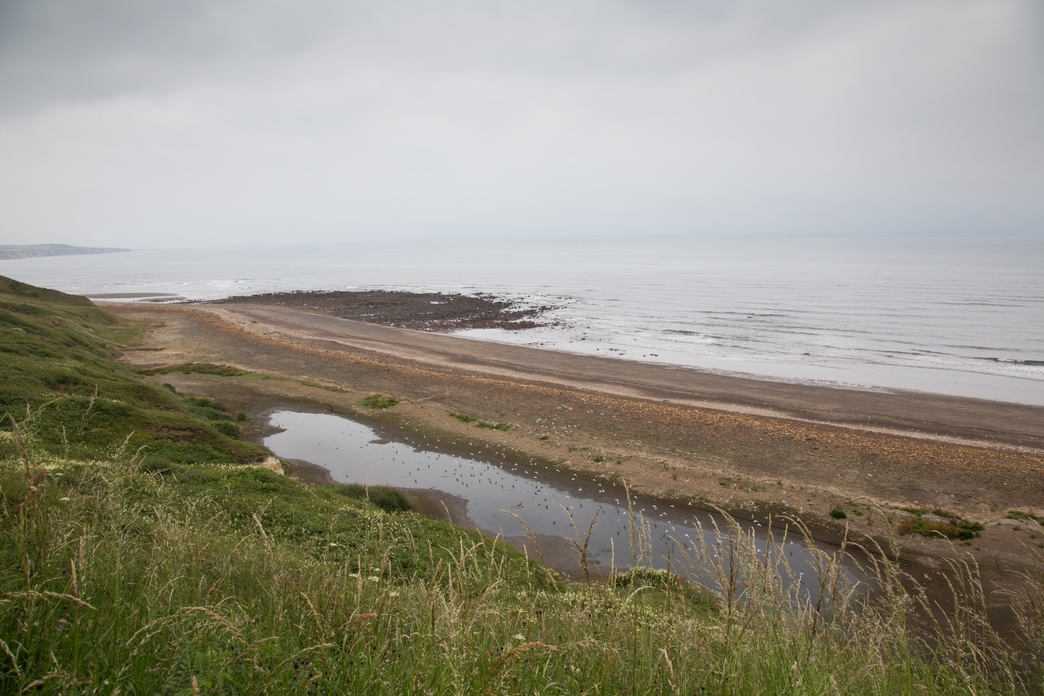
{"x":194,"y":122}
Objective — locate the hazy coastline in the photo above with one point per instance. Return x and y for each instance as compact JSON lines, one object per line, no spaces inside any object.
{"x":957,"y":319}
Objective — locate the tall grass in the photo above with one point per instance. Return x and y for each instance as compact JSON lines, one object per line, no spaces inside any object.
{"x":115,"y":577}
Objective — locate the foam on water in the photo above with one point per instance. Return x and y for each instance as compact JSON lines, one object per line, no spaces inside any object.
{"x":952,"y":316}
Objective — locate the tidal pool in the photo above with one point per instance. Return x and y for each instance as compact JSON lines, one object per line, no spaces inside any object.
{"x":495,"y":486}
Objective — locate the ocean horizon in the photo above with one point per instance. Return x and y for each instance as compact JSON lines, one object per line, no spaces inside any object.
{"x":959,"y":316}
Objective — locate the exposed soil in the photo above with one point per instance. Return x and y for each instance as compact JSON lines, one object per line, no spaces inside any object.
{"x":424,"y":311}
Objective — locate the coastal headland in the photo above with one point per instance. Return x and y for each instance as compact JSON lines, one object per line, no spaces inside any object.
{"x":750,"y":447}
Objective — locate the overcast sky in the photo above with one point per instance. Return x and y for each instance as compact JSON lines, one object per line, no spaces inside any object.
{"x":147,"y":123}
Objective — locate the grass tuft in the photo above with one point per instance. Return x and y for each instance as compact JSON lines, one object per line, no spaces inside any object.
{"x":953,"y":528}
{"x":380,"y":402}
{"x":384,"y":497}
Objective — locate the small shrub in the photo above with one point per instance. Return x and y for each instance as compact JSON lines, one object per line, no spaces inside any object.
{"x":463,"y":417}
{"x":838,"y":514}
{"x":241,"y":416}
{"x":599,"y":459}
{"x":374,"y":402}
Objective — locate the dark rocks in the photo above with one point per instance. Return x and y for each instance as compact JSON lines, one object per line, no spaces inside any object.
{"x":424,"y":311}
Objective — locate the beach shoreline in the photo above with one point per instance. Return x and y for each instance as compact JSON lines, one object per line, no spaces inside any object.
{"x":959,"y":420}
{"x":748,"y":447}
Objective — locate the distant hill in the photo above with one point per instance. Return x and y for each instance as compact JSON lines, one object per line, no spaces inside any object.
{"x":25,"y":251}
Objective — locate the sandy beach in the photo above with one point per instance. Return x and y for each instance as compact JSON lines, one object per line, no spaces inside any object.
{"x":746,"y":446}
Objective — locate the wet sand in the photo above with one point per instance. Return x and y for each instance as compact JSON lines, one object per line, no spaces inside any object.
{"x":747,"y":446}
{"x":910,"y":413}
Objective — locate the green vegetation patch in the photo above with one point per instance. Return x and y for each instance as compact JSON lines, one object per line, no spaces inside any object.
{"x":465,"y":418}
{"x":375,"y":402}
{"x":1024,"y":516}
{"x":384,"y":497}
{"x":213,"y":412}
{"x":838,"y":514}
{"x":58,"y":373}
{"x":952,"y":528}
{"x":325,"y":387}
{"x":198,"y":369}
{"x":231,"y":579}
{"x":215,"y":577}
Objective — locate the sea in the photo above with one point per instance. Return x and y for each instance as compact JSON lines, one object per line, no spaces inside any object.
{"x":960,"y":316}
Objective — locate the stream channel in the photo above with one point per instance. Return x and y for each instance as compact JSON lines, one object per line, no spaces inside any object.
{"x":480,"y":487}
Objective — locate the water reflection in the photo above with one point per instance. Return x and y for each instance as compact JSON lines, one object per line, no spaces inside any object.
{"x":499,"y":486}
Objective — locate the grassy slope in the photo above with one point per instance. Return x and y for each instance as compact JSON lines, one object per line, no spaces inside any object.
{"x":188,"y":573}
{"x":57,"y":349}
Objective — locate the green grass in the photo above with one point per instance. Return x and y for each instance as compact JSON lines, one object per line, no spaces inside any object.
{"x":465,"y":418}
{"x":838,"y":514}
{"x":383,"y":497}
{"x":379,"y":402}
{"x":234,"y":579}
{"x":58,"y":373}
{"x":952,"y":528}
{"x":1019,"y":515}
{"x":198,"y":369}
{"x":221,"y":573}
{"x":325,"y":387}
